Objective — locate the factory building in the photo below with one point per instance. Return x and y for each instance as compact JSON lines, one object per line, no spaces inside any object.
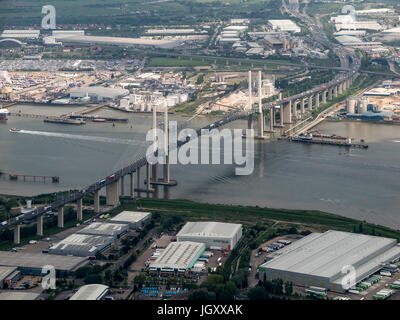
{"x":114,"y":230}
{"x":91,"y":292}
{"x":284,"y":25}
{"x":18,"y":296}
{"x":320,"y":258}
{"x":21,"y":34}
{"x":82,"y":245}
{"x":177,"y":259}
{"x":98,"y":94}
{"x":32,"y":263}
{"x":215,"y":235}
{"x":132,"y":218}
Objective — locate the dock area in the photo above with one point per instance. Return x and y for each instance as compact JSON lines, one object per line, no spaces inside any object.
{"x":29,"y":177}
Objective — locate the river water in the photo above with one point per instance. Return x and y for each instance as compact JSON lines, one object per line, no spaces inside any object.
{"x":356,"y":183}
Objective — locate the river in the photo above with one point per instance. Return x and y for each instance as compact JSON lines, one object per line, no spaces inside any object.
{"x":356,"y":183}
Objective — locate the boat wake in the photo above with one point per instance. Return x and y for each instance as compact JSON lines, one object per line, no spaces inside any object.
{"x":86,"y":138}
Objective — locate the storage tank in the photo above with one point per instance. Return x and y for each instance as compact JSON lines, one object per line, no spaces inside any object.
{"x":351,"y":105}
{"x":363,"y":105}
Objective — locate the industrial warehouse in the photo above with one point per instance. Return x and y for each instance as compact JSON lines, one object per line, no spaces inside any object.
{"x":32,"y":263}
{"x":98,"y":94}
{"x":177,"y":258}
{"x":91,"y":292}
{"x":215,"y":235}
{"x":99,"y":236}
{"x":132,"y":218}
{"x":81,"y":245}
{"x":114,"y":230}
{"x":319,"y":258}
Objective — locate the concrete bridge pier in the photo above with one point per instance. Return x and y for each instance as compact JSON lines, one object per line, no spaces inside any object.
{"x":250,"y":122}
{"x":79,"y":210}
{"x":148,"y":177}
{"x":310,"y":103}
{"x":324,"y":96}
{"x":287,"y":112}
{"x":281,"y":115}
{"x":340,"y":88}
{"x":271,"y":119}
{"x":17,"y":234}
{"x":317,"y":100}
{"x":302,"y":103}
{"x":112,"y":193}
{"x":132,"y":185}
{"x":330,"y":97}
{"x":335,"y":91}
{"x":122,"y":185}
{"x":96,"y":201}
{"x":294,"y":111}
{"x":60,"y":217}
{"x":39,"y":226}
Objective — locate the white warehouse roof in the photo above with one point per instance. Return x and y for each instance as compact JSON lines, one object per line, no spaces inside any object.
{"x":209,"y":229}
{"x":178,"y":255}
{"x":130,"y":217}
{"x":105,"y":92}
{"x":322,"y":256}
{"x":104,"y":229}
{"x":81,"y":245}
{"x":18,"y":295}
{"x":90,"y":292}
{"x":6,"y":271}
{"x":284,"y":25}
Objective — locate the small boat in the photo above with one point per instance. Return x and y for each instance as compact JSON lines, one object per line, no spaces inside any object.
{"x":14,"y":130}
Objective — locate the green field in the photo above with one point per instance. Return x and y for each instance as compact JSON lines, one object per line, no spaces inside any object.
{"x":254,"y":216}
{"x":135,"y":12}
{"x":174,"y":62}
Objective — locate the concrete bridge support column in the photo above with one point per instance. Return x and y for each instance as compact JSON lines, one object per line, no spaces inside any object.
{"x":260,"y":110}
{"x":132,"y":185}
{"x":112,"y":193}
{"x":271,"y":119}
{"x":302,"y":103}
{"x":310,"y":103}
{"x":317,"y":100}
{"x":138,"y":178}
{"x":335,"y":91}
{"x":17,"y":234}
{"x":324,"y":96}
{"x":79,"y":211}
{"x":287,"y":112}
{"x":60,"y":217}
{"x":340,"y":89}
{"x":39,"y":226}
{"x":122,"y":185}
{"x":250,"y":124}
{"x":294,"y":111}
{"x":96,"y":201}
{"x":330,"y":94}
{"x":148,"y":177}
{"x":281,"y":115}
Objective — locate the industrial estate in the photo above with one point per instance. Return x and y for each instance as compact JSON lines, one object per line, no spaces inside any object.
{"x":291,"y":72}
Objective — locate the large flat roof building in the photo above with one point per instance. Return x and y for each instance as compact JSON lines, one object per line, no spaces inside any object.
{"x":178,"y":257}
{"x":97,"y":93}
{"x":32,"y":263}
{"x":215,"y":235}
{"x":82,"y":245}
{"x":91,"y":292}
{"x":20,"y":34}
{"x":19,"y":295}
{"x":134,"y":219}
{"x":105,"y":229}
{"x":319,"y":258}
{"x":284,"y":25}
{"x":5,"y":272}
